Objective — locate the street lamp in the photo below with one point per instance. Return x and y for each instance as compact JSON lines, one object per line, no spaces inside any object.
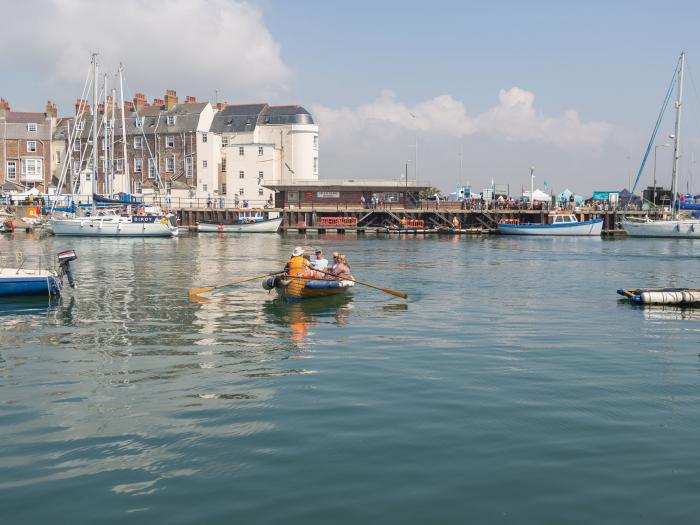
{"x":653,"y":199}
{"x":532,"y":187}
{"x":405,"y":195}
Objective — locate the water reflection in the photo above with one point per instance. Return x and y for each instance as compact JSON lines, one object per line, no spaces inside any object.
{"x":302,"y":316}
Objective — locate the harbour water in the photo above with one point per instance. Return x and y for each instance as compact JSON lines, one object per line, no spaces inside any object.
{"x":512,"y":387}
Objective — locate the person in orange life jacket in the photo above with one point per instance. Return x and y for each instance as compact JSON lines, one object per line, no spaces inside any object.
{"x":298,"y":265}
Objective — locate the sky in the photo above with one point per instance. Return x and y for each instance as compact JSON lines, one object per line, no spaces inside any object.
{"x":486,"y":90}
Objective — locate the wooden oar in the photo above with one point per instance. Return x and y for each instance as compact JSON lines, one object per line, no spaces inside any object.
{"x":198,"y":291}
{"x":385,"y":290}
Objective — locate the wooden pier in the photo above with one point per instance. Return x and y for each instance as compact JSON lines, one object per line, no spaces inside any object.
{"x":444,"y":218}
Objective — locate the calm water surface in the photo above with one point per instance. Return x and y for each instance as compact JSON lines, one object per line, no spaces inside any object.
{"x":512,"y":387}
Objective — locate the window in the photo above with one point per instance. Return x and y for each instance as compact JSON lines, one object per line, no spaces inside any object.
{"x":169,"y":187}
{"x":170,"y":141}
{"x":32,"y":127}
{"x":108,"y":124}
{"x":138,"y":122}
{"x":261,"y":150}
{"x":76,"y":166}
{"x":88,"y":176}
{"x":224,"y":140}
{"x":138,"y":165}
{"x":32,"y":167}
{"x":260,"y":192}
{"x":260,"y":176}
{"x":137,"y":187}
{"x":315,"y":141}
{"x":315,"y":165}
{"x":81,"y":125}
{"x":204,"y":137}
{"x":138,"y":142}
{"x":204,"y":187}
{"x":170,"y":164}
{"x":11,"y":170}
{"x":223,"y":189}
{"x":151,"y":168}
{"x":171,"y":120}
{"x":58,"y":157}
{"x":241,"y":174}
{"x":188,"y":167}
{"x":241,"y":151}
{"x":120,"y":165}
{"x":204,"y":164}
{"x":223,"y":165}
{"x":241,"y":191}
{"x":31,"y":145}
{"x":76,"y":145}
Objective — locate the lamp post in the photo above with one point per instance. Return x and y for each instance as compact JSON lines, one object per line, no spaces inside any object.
{"x":653,"y":199}
{"x":405,"y":195}
{"x":532,"y":187}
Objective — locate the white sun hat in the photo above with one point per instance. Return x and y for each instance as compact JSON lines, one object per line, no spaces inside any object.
{"x":298,"y":251}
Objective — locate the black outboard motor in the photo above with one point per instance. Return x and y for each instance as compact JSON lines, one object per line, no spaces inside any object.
{"x":64,"y":259}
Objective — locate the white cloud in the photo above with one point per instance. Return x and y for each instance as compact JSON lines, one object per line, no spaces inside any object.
{"x":194,"y":46}
{"x":514,"y":119}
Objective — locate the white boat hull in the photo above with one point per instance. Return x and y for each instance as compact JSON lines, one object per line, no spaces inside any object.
{"x":590,"y":228}
{"x":679,"y":229}
{"x":122,"y":227}
{"x":269,"y":226}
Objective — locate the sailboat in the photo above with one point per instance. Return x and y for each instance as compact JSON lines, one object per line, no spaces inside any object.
{"x":101,"y":222}
{"x":676,"y":226}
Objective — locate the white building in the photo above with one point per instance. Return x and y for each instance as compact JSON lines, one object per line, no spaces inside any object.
{"x":262,"y":144}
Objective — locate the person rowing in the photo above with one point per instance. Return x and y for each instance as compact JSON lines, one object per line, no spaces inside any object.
{"x":319,"y":262}
{"x":341,"y":269}
{"x":298,"y":265}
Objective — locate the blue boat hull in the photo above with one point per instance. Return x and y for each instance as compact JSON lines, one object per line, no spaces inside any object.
{"x":27,"y":286}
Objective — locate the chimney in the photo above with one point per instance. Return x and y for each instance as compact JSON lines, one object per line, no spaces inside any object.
{"x":220,"y":105}
{"x":158,"y":102}
{"x":4,"y":107}
{"x":128,"y":106}
{"x":100,"y":108}
{"x":170,"y":98}
{"x":51,"y":110}
{"x":190,"y":100}
{"x":140,"y":101}
{"x":85,"y":106}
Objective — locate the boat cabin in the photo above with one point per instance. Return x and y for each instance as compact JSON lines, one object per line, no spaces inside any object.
{"x":562,"y":218}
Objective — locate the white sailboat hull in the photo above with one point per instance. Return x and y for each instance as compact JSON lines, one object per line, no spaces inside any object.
{"x":122,"y":227}
{"x":269,"y":226}
{"x":675,"y":229}
{"x":580,"y":229}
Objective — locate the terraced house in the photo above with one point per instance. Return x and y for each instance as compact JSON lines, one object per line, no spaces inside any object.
{"x":169,"y":148}
{"x":26,"y":148}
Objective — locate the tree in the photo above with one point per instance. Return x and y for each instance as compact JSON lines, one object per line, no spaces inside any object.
{"x":429,"y":193}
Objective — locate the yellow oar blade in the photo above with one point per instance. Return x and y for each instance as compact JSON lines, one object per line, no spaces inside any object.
{"x":201,"y":290}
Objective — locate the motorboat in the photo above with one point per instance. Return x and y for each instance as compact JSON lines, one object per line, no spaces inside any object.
{"x":248,"y":222}
{"x":560,"y":223}
{"x":20,"y":281}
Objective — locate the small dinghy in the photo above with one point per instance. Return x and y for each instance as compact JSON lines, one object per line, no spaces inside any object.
{"x":679,"y":296}
{"x":295,"y":288}
{"x":18,"y":281}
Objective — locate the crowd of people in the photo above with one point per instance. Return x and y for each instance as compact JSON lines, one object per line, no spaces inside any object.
{"x":317,"y":267}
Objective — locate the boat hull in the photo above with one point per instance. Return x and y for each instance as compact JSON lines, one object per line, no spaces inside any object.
{"x":680,"y":229}
{"x":18,"y":283}
{"x":123,"y":227}
{"x":269,"y":226}
{"x":294,"y":288}
{"x":591,"y":228}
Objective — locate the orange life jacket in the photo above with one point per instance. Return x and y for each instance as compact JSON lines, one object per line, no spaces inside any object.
{"x":297,"y":265}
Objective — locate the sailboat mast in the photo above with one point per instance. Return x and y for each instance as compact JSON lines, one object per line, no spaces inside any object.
{"x":125,"y":162}
{"x":111,"y":142}
{"x":94,"y":122}
{"x":677,"y":140}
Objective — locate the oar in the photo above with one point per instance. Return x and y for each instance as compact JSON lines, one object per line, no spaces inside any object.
{"x":385,"y":290}
{"x":206,"y":289}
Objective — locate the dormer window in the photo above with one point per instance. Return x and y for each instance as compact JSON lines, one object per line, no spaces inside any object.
{"x":153,"y":121}
{"x":81,"y":125}
{"x":32,"y":127}
{"x":108,"y":124}
{"x":171,"y":120}
{"x":138,"y":122}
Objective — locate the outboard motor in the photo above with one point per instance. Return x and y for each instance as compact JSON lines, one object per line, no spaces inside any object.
{"x":64,"y":259}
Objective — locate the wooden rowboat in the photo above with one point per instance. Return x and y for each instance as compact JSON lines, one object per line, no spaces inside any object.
{"x":296,"y":288}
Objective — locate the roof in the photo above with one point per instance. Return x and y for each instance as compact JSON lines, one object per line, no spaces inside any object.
{"x":275,"y":115}
{"x":154,"y":120}
{"x":25,"y":117}
{"x":237,"y":118}
{"x":347,"y":185}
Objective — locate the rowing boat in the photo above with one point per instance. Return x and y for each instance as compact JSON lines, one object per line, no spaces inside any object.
{"x":296,"y":288}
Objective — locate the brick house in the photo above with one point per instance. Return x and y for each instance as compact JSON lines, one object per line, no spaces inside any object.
{"x":169,"y":147}
{"x":26,"y":148}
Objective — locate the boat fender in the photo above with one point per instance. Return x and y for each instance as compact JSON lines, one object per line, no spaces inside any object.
{"x":164,"y":220}
{"x":268,"y":283}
